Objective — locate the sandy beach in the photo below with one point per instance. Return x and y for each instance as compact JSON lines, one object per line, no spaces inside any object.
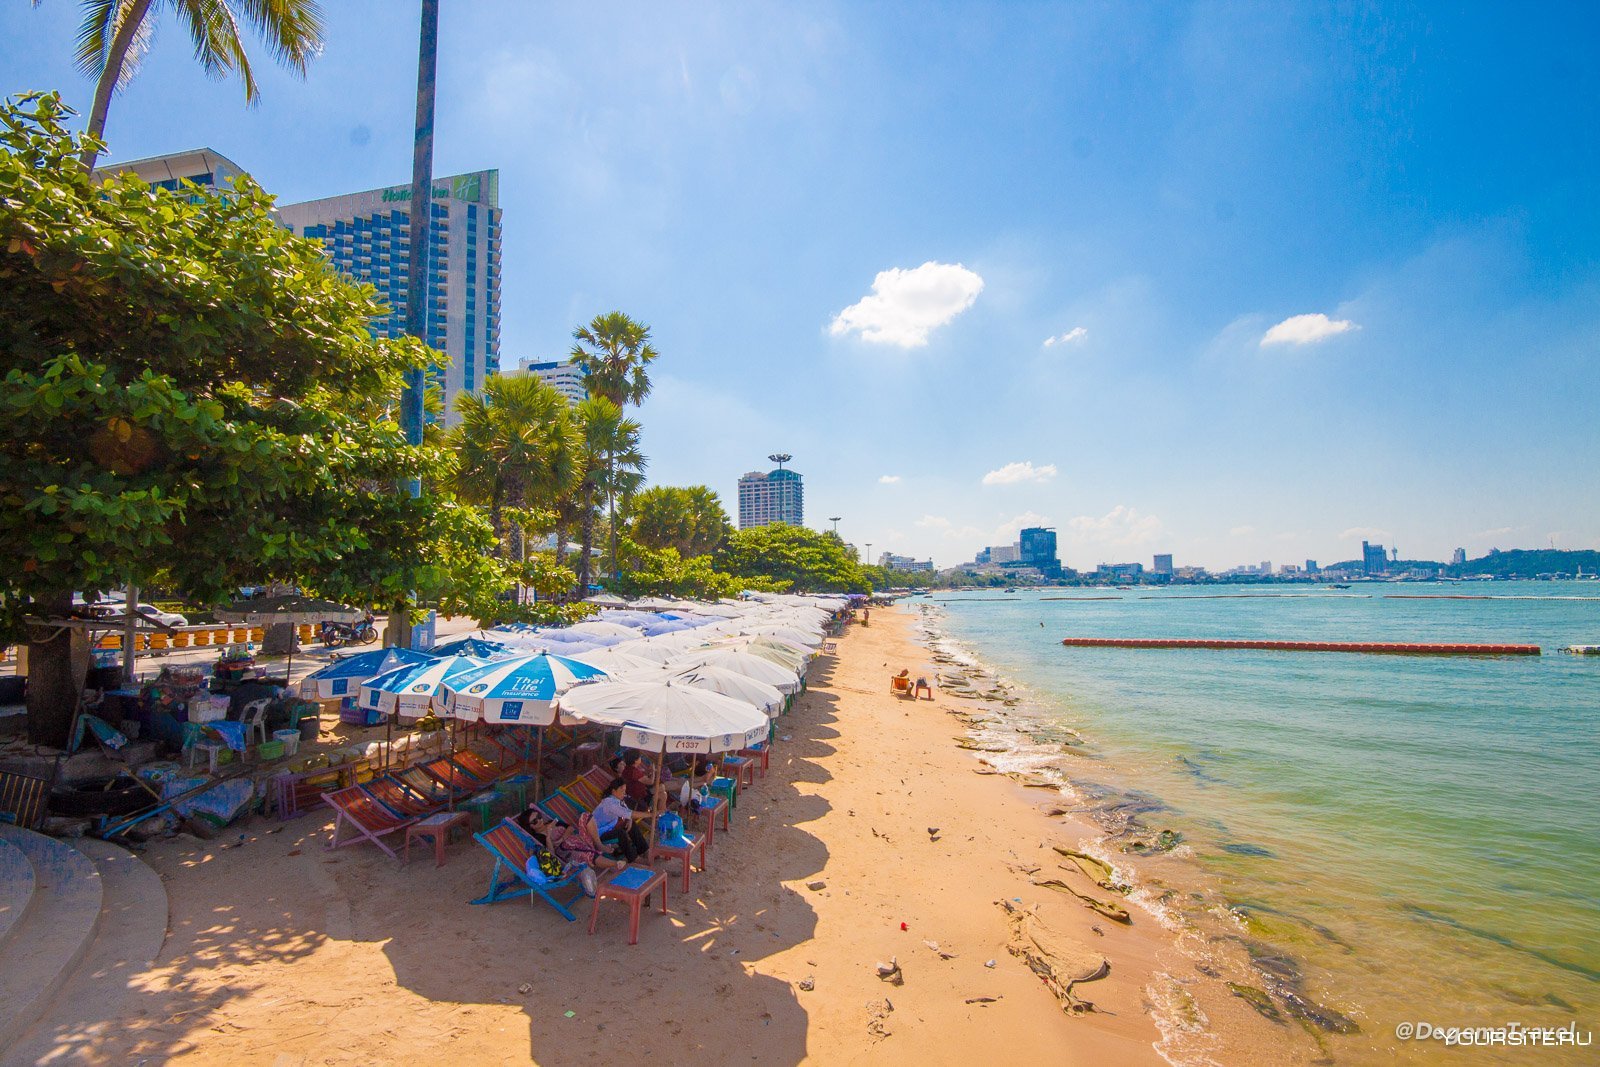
{"x":281,"y":952}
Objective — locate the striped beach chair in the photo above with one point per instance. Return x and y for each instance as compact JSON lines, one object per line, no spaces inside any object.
{"x":357,"y":809}
{"x":512,"y":847}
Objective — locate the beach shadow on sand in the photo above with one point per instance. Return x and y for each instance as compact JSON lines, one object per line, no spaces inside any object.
{"x":272,"y":952}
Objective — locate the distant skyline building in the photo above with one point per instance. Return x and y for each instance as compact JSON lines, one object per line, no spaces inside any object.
{"x":1004,"y":554}
{"x":1458,"y":557}
{"x":776,"y":496}
{"x":1163,"y":563}
{"x":1373,"y":559}
{"x":1037,"y":548}
{"x":367,"y":235}
{"x":564,"y":377}
{"x":891,"y":562}
{"x":1311,"y":566}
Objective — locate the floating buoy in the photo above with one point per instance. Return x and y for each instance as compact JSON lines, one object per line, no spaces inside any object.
{"x":1400,"y":648}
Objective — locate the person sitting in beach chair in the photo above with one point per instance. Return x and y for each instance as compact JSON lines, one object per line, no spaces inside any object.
{"x":614,"y":823}
{"x":900,"y":684}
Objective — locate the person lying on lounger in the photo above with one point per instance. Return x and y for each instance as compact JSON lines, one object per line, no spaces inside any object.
{"x":571,"y":844}
{"x":614,"y":824}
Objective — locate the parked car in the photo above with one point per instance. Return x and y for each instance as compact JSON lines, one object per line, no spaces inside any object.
{"x":165,"y":618}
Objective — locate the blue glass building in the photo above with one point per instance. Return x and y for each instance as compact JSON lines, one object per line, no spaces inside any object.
{"x":368,"y":237}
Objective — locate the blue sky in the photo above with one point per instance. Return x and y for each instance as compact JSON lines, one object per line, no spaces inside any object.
{"x":1309,"y":275}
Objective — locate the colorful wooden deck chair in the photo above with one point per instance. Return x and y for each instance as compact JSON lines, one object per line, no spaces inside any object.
{"x":511,"y":848}
{"x":357,"y":808}
{"x":477,"y":765}
{"x":589,"y":788}
{"x":453,"y":775}
{"x":394,"y":795}
{"x":426,"y":785}
{"x":559,"y":805}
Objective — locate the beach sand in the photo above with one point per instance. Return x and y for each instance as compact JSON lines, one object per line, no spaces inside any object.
{"x":281,"y":952}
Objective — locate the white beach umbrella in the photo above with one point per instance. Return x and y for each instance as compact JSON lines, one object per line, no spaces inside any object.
{"x":667,"y":717}
{"x":788,"y":635}
{"x":736,"y":685}
{"x":741,"y":662}
{"x":787,"y":656}
{"x":614,"y":661}
{"x":607,"y":600}
{"x":599,"y":629}
{"x":655,"y":603}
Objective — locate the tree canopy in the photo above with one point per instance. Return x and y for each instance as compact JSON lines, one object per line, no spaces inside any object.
{"x":808,"y":561}
{"x":190,"y":388}
{"x":689,"y":519}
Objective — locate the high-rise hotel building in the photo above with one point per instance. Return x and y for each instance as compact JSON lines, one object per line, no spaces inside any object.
{"x":368,"y":237}
{"x":777,"y":496}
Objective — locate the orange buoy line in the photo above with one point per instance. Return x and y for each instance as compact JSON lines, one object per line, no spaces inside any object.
{"x":1381,"y":647}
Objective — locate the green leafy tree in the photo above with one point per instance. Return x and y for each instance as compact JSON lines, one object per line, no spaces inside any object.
{"x":517,"y":446}
{"x":810,"y":562}
{"x":115,"y":36}
{"x":610,"y":462}
{"x":190,"y":390}
{"x":663,"y":572}
{"x":615,"y":353}
{"x":689,"y":519}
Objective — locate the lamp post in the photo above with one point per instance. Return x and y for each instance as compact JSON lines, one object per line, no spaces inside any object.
{"x":835,"y":520}
{"x":869,"y":553}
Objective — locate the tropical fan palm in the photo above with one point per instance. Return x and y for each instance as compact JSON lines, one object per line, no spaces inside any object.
{"x":115,"y":36}
{"x":517,"y":445}
{"x":612,"y":462}
{"x":614,"y":352}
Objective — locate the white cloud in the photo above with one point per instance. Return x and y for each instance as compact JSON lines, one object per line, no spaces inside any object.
{"x":1077,"y":333}
{"x":1305,"y":330}
{"x":1122,"y":526}
{"x":1241,"y":531}
{"x":1025,"y":471}
{"x":1365,"y":533}
{"x":888,"y":479}
{"x":906,"y":305}
{"x":933,"y":522}
{"x":1499,"y":531}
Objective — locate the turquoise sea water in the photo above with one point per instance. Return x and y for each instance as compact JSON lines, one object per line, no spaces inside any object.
{"x":1419,"y":837}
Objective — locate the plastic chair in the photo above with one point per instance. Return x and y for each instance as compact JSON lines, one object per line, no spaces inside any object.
{"x":254,"y":717}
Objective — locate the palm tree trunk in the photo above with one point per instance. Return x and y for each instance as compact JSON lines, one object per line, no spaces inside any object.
{"x":107,"y":85}
{"x":587,"y":542}
{"x":411,"y":413}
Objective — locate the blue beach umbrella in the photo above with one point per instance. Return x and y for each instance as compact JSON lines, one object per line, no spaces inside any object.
{"x":517,"y":691}
{"x":482,"y":648}
{"x":409,"y":691}
{"x":342,"y":677}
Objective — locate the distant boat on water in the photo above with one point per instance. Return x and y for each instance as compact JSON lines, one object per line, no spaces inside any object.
{"x":1339,"y":585}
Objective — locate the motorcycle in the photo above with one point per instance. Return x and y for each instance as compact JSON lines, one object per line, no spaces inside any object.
{"x":338,"y":634}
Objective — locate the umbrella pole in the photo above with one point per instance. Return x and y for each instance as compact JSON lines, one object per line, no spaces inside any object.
{"x":538,"y":767}
{"x":661,"y":766}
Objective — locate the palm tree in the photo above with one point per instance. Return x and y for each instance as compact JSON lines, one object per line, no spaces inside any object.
{"x":614,"y":352}
{"x":610,"y":462}
{"x":516,"y":446}
{"x":115,"y":36}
